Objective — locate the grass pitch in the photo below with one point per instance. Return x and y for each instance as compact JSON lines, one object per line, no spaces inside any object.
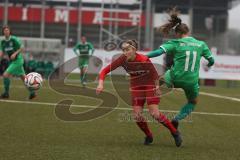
{"x":31,"y":131}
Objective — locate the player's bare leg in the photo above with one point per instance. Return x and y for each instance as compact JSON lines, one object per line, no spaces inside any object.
{"x":22,"y":77}
{"x":142,"y":124}
{"x":83,"y":73}
{"x":161,"y":118}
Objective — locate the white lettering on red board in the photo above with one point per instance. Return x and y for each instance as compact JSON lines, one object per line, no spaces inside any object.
{"x":135,"y":18}
{"x":61,"y":15}
{"x":24,"y":14}
{"x":97,"y":17}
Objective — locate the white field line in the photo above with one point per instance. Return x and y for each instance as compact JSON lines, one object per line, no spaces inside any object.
{"x":220,"y":96}
{"x":201,"y":93}
{"x":118,"y":108}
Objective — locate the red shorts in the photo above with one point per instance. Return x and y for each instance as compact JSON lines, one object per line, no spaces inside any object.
{"x":141,"y":94}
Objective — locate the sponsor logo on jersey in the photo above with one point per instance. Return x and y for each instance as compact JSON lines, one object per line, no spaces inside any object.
{"x":137,"y":73}
{"x":190,"y":44}
{"x":7,"y":49}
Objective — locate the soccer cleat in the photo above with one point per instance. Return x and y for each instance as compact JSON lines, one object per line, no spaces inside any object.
{"x":84,"y":84}
{"x":178,"y":138}
{"x":175,"y":123}
{"x":4,"y":96}
{"x":148,"y":140}
{"x":32,"y":96}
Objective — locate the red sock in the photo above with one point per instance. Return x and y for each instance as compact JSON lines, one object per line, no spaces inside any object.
{"x":163,"y":119}
{"x":144,"y":127}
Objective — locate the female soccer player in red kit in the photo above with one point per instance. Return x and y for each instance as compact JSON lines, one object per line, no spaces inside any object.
{"x":143,"y":87}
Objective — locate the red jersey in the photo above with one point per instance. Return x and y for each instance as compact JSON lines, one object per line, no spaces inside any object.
{"x":141,"y":70}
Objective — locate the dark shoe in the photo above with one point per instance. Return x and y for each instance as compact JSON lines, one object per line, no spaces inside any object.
{"x":148,"y":140}
{"x":178,"y":138}
{"x":4,"y":96}
{"x":175,"y":123}
{"x":84,"y":84}
{"x":32,"y":96}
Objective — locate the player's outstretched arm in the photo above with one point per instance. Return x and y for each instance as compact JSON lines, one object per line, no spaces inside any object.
{"x":115,"y":64}
{"x":20,"y":48}
{"x":100,"y":86}
{"x":75,"y":48}
{"x":207,"y":54}
{"x":14,"y":55}
{"x":91,"y":48}
{"x":210,"y":61}
{"x":1,"y":55}
{"x":102,"y":76}
{"x":155,"y":53}
{"x":1,"y":52}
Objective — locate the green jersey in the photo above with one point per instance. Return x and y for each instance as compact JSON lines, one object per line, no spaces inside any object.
{"x":187,"y":53}
{"x":10,"y":46}
{"x":84,"y":49}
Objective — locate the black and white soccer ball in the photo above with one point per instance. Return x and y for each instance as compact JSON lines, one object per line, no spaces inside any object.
{"x":33,"y":80}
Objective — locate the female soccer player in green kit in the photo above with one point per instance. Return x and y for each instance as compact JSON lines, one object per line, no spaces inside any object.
{"x":12,"y":47}
{"x":187,"y":52}
{"x":85,"y":50}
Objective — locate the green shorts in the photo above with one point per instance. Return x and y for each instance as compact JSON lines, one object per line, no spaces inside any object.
{"x":83,"y":62}
{"x":16,"y":69}
{"x":191,"y":90}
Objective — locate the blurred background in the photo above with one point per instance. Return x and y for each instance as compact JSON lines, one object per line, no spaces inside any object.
{"x":50,"y":28}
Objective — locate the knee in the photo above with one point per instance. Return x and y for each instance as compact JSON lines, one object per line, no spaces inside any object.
{"x":154,"y":113}
{"x":194,"y":101}
{"x":84,"y":69}
{"x":137,"y":115}
{"x":5,"y":75}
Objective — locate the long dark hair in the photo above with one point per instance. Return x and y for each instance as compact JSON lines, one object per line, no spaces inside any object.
{"x":6,"y":27}
{"x":174,"y":22}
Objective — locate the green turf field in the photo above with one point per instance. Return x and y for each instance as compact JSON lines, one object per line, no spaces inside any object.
{"x":31,"y":131}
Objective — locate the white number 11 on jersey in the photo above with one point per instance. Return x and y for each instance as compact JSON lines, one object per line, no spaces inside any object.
{"x":188,"y":59}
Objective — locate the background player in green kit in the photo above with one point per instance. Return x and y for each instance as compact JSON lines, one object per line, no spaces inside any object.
{"x":84,"y":50}
{"x":12,"y":47}
{"x":187,"y":52}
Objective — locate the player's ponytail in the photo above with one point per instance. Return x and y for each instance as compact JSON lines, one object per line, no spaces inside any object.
{"x":174,"y":23}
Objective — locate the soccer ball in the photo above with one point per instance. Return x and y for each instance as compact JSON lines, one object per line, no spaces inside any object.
{"x":33,"y":80}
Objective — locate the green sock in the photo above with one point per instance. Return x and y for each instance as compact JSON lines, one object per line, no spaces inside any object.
{"x":31,"y":91}
{"x":185,"y":111}
{"x":6,"y":83}
{"x":81,"y":79}
{"x":84,"y":77}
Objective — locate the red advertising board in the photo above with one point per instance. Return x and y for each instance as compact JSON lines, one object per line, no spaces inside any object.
{"x":61,"y":15}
